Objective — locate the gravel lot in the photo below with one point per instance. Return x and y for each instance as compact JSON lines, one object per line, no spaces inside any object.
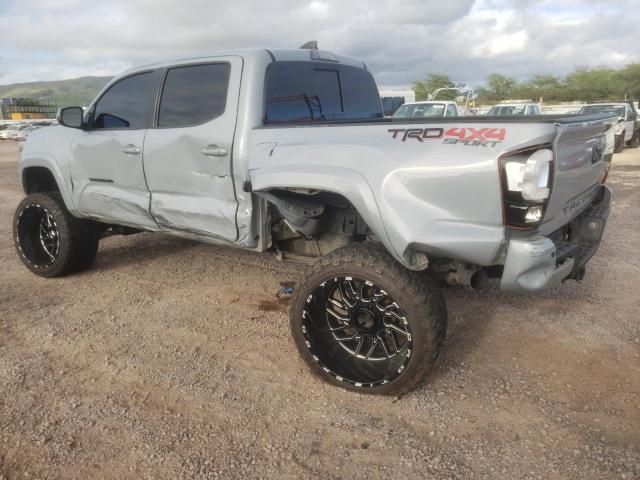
{"x":172,"y":359}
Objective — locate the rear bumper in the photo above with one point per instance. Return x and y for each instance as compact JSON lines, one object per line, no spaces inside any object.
{"x":542,"y":262}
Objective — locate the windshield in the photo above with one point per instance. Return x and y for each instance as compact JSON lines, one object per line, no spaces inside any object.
{"x":618,"y":110}
{"x":503,"y":110}
{"x":420,"y":110}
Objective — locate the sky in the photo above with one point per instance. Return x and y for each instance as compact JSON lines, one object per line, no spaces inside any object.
{"x":401,"y":40}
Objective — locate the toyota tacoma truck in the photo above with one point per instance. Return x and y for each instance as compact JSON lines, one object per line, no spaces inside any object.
{"x":288,"y":150}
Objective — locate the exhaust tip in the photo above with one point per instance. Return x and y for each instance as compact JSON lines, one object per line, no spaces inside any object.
{"x":479,"y":280}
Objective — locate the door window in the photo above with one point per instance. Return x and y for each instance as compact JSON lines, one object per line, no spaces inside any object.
{"x":126,"y":105}
{"x":194,"y":94}
{"x":452,"y":111}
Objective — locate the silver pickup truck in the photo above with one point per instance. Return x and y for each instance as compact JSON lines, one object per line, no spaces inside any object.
{"x":288,"y":150}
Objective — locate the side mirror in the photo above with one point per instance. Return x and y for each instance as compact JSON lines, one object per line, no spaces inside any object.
{"x":70,"y":117}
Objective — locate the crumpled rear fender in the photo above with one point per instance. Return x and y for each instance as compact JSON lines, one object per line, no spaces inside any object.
{"x":342,"y":181}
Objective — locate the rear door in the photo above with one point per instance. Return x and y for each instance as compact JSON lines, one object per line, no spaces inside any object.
{"x":106,"y":160}
{"x":188,"y":153}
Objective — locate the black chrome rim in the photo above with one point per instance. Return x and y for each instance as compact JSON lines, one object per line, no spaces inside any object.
{"x":356,"y":331}
{"x":37,"y":236}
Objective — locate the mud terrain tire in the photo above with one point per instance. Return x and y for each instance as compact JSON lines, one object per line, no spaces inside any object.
{"x":359,"y":273}
{"x":50,"y":241}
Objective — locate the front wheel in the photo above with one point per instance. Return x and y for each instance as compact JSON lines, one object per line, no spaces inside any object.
{"x":50,"y":241}
{"x":363,"y":322}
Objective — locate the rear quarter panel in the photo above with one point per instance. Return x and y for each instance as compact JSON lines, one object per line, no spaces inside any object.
{"x":437,"y":195}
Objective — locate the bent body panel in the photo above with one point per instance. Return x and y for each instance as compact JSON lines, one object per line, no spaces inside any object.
{"x":433,"y":188}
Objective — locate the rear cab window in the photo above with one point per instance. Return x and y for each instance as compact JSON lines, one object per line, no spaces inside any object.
{"x":319,"y":91}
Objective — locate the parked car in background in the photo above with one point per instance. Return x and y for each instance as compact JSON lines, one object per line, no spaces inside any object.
{"x":21,"y":135}
{"x":627,"y":128}
{"x":394,"y":99}
{"x":428,"y":109}
{"x":14,"y":131}
{"x":8,"y":132}
{"x":510,"y":109}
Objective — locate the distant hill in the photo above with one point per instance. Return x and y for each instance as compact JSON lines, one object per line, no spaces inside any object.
{"x":76,"y":91}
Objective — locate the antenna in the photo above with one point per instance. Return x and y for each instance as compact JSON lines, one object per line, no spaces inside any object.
{"x":310,"y":45}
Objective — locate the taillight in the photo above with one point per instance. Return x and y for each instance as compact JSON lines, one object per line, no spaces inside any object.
{"x":526,"y":186}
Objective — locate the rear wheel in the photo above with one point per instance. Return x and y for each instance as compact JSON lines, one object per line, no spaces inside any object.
{"x":619,"y":143}
{"x":49,"y":240}
{"x":363,"y":322}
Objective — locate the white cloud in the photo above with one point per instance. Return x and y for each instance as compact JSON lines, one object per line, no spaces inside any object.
{"x":401,"y":40}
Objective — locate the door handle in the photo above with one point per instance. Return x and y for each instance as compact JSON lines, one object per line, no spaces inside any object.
{"x":131,"y":149}
{"x":213,"y":151}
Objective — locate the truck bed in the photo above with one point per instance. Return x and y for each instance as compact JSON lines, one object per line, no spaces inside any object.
{"x":518,"y":119}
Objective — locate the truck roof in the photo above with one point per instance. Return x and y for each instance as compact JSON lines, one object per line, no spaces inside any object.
{"x":426,"y":102}
{"x":260,"y":54}
{"x":514,"y":104}
{"x":606,"y":104}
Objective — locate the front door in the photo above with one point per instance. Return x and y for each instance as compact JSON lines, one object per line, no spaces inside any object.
{"x":187,"y":155}
{"x":106,"y":159}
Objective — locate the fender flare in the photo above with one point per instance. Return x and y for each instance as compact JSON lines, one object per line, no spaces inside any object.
{"x":342,"y":181}
{"x":45,"y":160}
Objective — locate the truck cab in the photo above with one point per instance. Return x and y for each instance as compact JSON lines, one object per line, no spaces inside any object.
{"x":428,"y":109}
{"x":394,"y":99}
{"x":509,"y":109}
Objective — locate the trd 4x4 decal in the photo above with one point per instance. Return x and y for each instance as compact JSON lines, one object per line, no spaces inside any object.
{"x":475,"y":137}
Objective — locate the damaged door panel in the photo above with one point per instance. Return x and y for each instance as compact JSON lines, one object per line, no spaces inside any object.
{"x":187,"y":155}
{"x":106,"y":158}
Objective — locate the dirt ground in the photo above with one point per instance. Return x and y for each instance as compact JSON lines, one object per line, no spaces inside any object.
{"x":173,"y":359}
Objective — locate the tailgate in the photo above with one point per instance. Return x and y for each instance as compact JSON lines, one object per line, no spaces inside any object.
{"x":579,"y":169}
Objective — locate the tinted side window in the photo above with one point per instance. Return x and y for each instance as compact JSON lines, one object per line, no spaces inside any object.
{"x":126,"y":105}
{"x":451,"y":111}
{"x":193,"y":95}
{"x":308,"y":91}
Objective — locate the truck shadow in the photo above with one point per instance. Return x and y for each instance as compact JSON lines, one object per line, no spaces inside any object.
{"x":119,"y":252}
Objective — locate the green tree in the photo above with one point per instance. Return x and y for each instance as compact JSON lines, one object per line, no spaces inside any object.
{"x":500,"y":87}
{"x":591,"y":84}
{"x":630,"y":79}
{"x":547,"y":87}
{"x":433,"y":82}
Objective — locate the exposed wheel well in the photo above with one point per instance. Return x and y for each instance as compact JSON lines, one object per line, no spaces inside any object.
{"x":38,"y":179}
{"x":313,"y":222}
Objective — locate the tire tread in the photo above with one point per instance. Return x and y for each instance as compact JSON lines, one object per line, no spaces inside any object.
{"x":80,"y":235}
{"x":422,"y":289}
